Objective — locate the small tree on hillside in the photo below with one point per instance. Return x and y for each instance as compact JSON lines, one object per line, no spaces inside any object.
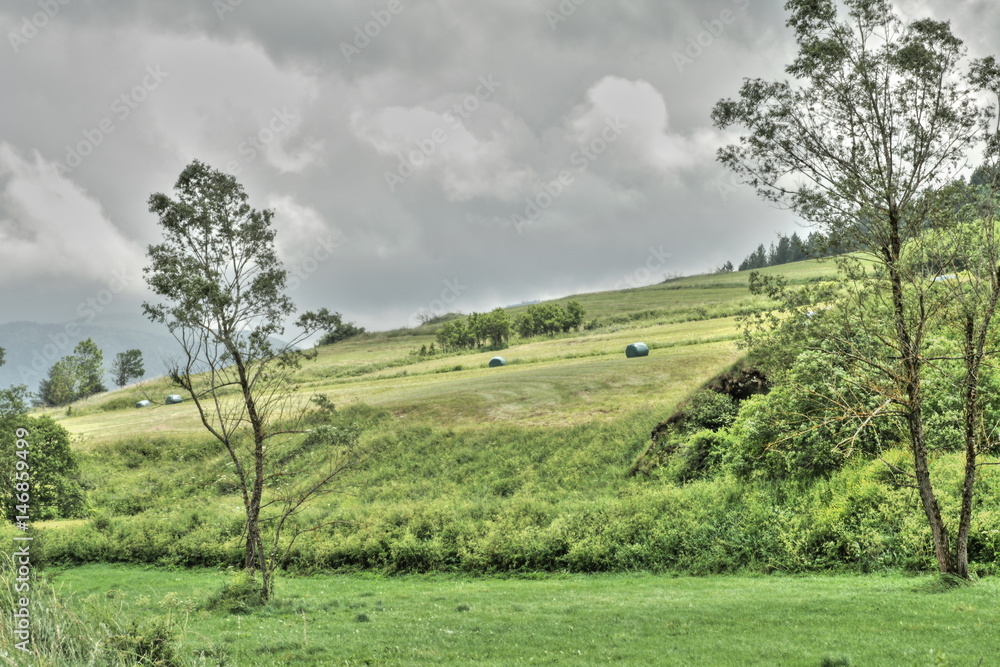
{"x":59,"y":388}
{"x":15,"y":399}
{"x":575,"y":314}
{"x":496,"y":327}
{"x":87,"y":363}
{"x":223,"y":299}
{"x":127,"y":366}
{"x":338,"y":330}
{"x":75,"y":376}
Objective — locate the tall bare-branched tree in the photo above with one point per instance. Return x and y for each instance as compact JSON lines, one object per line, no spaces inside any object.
{"x":864,"y":143}
{"x":223,"y":298}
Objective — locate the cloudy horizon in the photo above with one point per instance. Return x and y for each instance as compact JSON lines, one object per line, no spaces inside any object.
{"x":421,"y":156}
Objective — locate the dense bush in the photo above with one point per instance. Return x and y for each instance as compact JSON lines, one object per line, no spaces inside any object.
{"x":798,"y":430}
{"x":241,"y":595}
{"x":49,"y":475}
{"x":549,"y":318}
{"x":697,"y":456}
{"x":75,"y":376}
{"x":118,"y":403}
{"x":478,"y":329}
{"x":709,"y":410}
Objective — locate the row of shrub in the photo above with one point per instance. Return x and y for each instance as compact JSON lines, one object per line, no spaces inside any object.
{"x":504,"y":498}
{"x":851,"y":521}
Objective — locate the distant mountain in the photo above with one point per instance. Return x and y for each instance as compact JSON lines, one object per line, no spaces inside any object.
{"x":32,"y":348}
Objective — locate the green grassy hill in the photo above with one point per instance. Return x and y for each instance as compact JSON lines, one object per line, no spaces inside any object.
{"x":565,"y":380}
{"x":517,"y":468}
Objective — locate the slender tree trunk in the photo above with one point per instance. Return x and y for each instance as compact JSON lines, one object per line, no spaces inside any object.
{"x":939,"y":532}
{"x":975,"y":344}
{"x":912,"y":389}
{"x":968,"y":486}
{"x":256,"y":558}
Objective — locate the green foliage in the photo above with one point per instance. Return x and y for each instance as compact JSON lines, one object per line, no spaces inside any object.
{"x":549,"y":318}
{"x":14,"y":401}
{"x":709,"y":410}
{"x":118,"y":403}
{"x":521,"y":499}
{"x":223,"y":291}
{"x":127,"y":366}
{"x":88,"y":365}
{"x":49,"y":473}
{"x":756,"y":260}
{"x":338,"y":330}
{"x":696,"y":456}
{"x":77,"y":630}
{"x":425,"y":351}
{"x":493,"y":328}
{"x":788,"y":249}
{"x":73,"y":377}
{"x":455,"y":335}
{"x":798,"y":430}
{"x":153,"y":644}
{"x":59,"y":388}
{"x":241,"y":595}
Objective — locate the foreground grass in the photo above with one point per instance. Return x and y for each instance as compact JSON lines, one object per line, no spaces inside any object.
{"x":578,"y":619}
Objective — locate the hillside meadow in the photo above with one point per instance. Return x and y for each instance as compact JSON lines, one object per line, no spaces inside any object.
{"x":499,"y":502}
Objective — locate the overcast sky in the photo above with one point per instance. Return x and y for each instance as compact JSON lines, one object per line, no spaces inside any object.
{"x":421,"y":155}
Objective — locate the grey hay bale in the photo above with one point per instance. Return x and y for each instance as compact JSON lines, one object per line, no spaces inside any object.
{"x":497,"y":361}
{"x":637,"y":350}
{"x":174,"y":398}
{"x":143,"y":404}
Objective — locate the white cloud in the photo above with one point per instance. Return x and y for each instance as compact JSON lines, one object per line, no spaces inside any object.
{"x":646,"y":142}
{"x":465,"y":164}
{"x":50,"y":227}
{"x":248,"y":109}
{"x":299,"y":229}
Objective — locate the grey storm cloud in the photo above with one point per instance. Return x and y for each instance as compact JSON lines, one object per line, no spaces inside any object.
{"x":400,"y":142}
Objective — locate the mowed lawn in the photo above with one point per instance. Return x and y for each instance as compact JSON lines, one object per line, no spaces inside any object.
{"x":547,"y":382}
{"x":579,"y":619}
